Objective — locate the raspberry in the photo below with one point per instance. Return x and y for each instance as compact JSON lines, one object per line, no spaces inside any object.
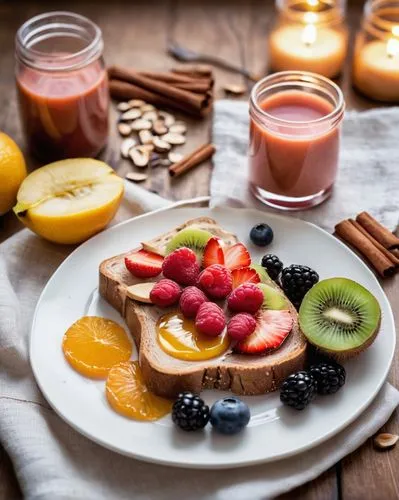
{"x":241,"y":326}
{"x":165,"y":293}
{"x":181,"y":266}
{"x":190,"y":301}
{"x":246,"y":298}
{"x":210,"y":319}
{"x":216,"y":281}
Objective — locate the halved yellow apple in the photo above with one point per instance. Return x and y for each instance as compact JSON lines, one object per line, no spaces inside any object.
{"x":70,"y":200}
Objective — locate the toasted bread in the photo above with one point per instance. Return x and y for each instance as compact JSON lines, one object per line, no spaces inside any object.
{"x":166,"y":375}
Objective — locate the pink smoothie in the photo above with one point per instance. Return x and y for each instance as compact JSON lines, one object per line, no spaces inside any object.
{"x":298,"y":156}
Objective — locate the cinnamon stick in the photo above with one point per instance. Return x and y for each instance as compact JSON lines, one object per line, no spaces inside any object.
{"x":378,"y":231}
{"x":199,"y":70}
{"x":376,"y":243}
{"x":395,"y":252}
{"x":191,"y":100}
{"x":349,"y":233}
{"x":176,"y":78}
{"x":196,"y":86}
{"x":125,"y":91}
{"x":190,"y":161}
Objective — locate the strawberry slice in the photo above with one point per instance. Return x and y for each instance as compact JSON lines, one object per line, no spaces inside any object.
{"x":272,"y":329}
{"x":236,"y":256}
{"x":213,"y":253}
{"x":244,"y":275}
{"x":144,"y":264}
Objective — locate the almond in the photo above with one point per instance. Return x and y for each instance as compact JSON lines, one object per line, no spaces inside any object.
{"x":136,"y":103}
{"x":152,"y":116}
{"x":132,"y":114}
{"x":124,"y":129}
{"x":145,"y":137}
{"x":385,"y":440}
{"x":168,"y":119}
{"x":136,"y":176}
{"x":147,"y":107}
{"x":140,"y":292}
{"x":123,"y":106}
{"x":126,"y":146}
{"x":159,"y":127}
{"x":139,"y":158}
{"x":235,"y":89}
{"x":174,"y":157}
{"x":174,"y":139}
{"x":178,"y":128}
{"x":141,"y":124}
{"x":160,"y":145}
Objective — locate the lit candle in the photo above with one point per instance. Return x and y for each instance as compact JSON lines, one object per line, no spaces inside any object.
{"x":310,"y":45}
{"x":376,"y":68}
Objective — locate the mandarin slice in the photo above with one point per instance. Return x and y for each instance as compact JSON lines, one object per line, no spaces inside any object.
{"x":93,"y":345}
{"x":128,"y":395}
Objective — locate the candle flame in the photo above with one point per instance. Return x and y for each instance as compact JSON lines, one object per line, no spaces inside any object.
{"x":309,"y":34}
{"x":313,"y":3}
{"x":393,"y":47}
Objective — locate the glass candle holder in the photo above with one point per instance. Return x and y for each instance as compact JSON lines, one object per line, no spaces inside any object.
{"x":62,"y":86}
{"x":376,"y":56}
{"x":295,"y":121}
{"x":310,"y":35}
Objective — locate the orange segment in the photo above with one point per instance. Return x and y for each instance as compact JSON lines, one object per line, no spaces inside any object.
{"x":129,"y":396}
{"x":93,"y":345}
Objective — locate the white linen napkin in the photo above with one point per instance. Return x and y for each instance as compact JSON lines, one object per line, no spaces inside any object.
{"x":52,"y":461}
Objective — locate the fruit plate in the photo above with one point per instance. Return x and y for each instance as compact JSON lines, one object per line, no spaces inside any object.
{"x":274,"y":431}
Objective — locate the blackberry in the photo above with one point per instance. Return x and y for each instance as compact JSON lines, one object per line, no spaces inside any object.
{"x":296,"y":281}
{"x":190,"y":412}
{"x":273,"y":265}
{"x":298,"y":390}
{"x":329,"y":377}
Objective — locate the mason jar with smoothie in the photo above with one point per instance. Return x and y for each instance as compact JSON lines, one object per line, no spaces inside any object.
{"x":62,"y":86}
{"x":295,"y":121}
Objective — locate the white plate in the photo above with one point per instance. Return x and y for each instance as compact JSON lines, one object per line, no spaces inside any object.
{"x":274,"y":431}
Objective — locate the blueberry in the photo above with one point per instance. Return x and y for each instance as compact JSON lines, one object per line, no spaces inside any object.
{"x":229,"y":415}
{"x":261,"y":235}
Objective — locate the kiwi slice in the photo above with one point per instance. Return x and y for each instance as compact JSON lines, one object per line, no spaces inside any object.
{"x":264,"y":277}
{"x":340,"y":317}
{"x":191,"y":237}
{"x":273,"y":298}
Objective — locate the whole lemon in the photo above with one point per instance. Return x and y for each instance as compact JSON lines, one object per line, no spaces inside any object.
{"x":12,"y":172}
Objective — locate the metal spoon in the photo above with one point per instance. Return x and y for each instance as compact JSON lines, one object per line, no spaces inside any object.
{"x":182,"y":54}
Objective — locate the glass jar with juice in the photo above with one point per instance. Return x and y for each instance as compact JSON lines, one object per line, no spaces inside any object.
{"x":62,"y":86}
{"x":295,"y":122}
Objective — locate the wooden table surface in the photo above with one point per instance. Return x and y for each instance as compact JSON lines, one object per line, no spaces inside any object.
{"x":136,"y":34}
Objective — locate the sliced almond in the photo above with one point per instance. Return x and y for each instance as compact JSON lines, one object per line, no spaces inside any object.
{"x":385,"y":440}
{"x":159,"y":127}
{"x":178,"y":128}
{"x":136,"y":176}
{"x":174,"y":157}
{"x":139,"y":158}
{"x":147,"y":107}
{"x":123,"y":106}
{"x":152,"y":116}
{"x":141,"y":124}
{"x":160,"y":145}
{"x":145,"y":137}
{"x":164,"y":162}
{"x":136,"y":103}
{"x":152,"y":248}
{"x":174,"y":139}
{"x":140,"y":292}
{"x":146,"y":148}
{"x":124,"y":129}
{"x":235,"y":89}
{"x":168,"y":119}
{"x":132,"y":114}
{"x":126,"y":146}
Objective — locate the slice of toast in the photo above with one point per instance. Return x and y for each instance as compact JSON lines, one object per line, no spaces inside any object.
{"x":166,"y":375}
